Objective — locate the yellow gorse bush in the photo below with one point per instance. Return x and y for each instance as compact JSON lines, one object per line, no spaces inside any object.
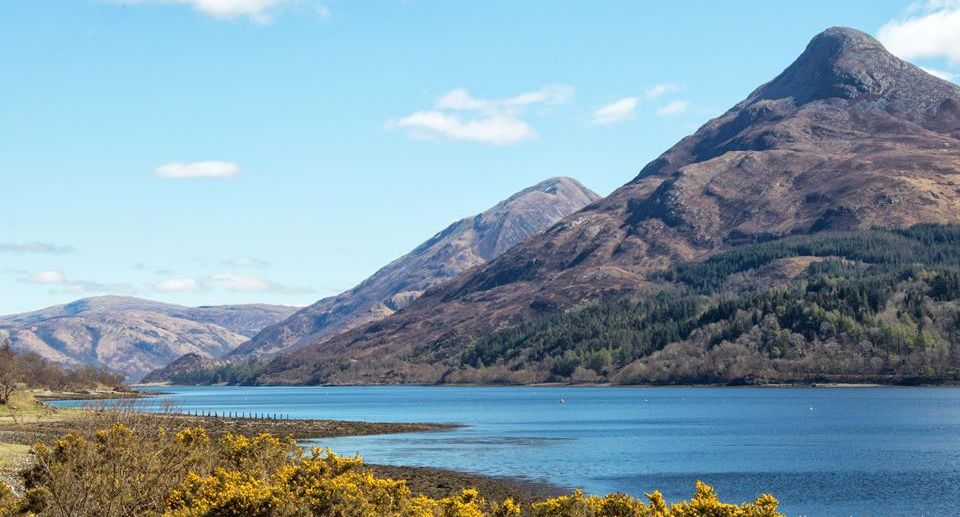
{"x":704,"y":504}
{"x":120,"y":471}
{"x":8,"y":500}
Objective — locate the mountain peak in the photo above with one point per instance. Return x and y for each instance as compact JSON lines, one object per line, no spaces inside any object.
{"x":467,"y":243}
{"x":528,"y":212}
{"x":844,"y":38}
{"x":845,"y":63}
{"x":848,"y":137}
{"x":559,"y":180}
{"x":559,"y":185}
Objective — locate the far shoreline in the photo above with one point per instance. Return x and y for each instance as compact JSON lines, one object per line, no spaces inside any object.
{"x":557,"y":385}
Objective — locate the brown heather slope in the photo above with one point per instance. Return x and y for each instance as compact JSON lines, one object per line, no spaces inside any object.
{"x":133,"y":336}
{"x":463,"y":245}
{"x":847,"y":137}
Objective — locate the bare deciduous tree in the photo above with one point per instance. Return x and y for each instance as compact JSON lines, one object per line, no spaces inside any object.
{"x":9,"y":373}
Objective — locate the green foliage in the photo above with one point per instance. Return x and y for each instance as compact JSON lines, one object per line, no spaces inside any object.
{"x":921,"y":244}
{"x":870,"y":303}
{"x":945,"y":286}
{"x":594,"y":335}
{"x":239,"y":373}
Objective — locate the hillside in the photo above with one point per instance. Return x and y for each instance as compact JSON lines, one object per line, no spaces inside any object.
{"x":848,"y":137}
{"x":133,"y":336}
{"x":834,"y":306}
{"x":463,"y":245}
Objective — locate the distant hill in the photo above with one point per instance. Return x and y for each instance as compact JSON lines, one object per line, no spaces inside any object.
{"x":847,"y":138}
{"x":132,"y":336}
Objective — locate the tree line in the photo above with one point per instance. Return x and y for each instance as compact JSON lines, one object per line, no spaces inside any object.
{"x":870,"y":305}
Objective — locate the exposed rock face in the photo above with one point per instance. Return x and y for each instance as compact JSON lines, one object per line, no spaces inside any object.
{"x":463,"y":245}
{"x":133,"y":336}
{"x":848,"y":136}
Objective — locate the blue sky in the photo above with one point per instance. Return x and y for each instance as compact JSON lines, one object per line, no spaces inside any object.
{"x":233,"y":151}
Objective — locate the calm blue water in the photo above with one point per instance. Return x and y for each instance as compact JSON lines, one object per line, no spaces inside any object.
{"x":822,"y":452}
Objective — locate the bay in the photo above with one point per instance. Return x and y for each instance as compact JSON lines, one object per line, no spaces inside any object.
{"x":842,"y":452}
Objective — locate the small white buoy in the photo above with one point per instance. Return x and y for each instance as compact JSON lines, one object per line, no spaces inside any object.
{"x":563,"y":400}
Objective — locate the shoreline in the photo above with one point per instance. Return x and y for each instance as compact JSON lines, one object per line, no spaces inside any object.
{"x":94,"y":395}
{"x":48,"y":422}
{"x":439,"y":482}
{"x":435,"y":482}
{"x":55,"y":421}
{"x":828,"y":385}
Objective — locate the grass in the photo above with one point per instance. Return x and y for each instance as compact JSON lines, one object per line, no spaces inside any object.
{"x":21,"y":403}
{"x":23,"y":406}
{"x":23,"y":409}
{"x":13,"y":455}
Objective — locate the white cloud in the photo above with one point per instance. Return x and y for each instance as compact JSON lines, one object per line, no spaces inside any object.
{"x":550,"y":94}
{"x":249,"y":283}
{"x":946,"y":76}
{"x":673,"y":108}
{"x":208,"y":169}
{"x":259,"y":11}
{"x":46,"y":278}
{"x":177,"y":285}
{"x":246,"y":261}
{"x":929,"y":30}
{"x":498,"y":130}
{"x":227,"y":281}
{"x":461,"y":99}
{"x":235,"y":282}
{"x":623,"y":109}
{"x":615,"y":111}
{"x":659,"y":90}
{"x":490,"y":121}
{"x":35,"y":247}
{"x":57,"y":278}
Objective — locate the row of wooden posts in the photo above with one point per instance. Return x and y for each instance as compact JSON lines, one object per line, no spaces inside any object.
{"x":239,"y":414}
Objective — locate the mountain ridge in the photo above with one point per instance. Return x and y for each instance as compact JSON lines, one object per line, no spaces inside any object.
{"x":462,"y":245}
{"x":847,"y":137}
{"x":133,"y":336}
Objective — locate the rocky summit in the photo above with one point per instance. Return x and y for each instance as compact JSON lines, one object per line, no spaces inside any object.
{"x":848,"y":137}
